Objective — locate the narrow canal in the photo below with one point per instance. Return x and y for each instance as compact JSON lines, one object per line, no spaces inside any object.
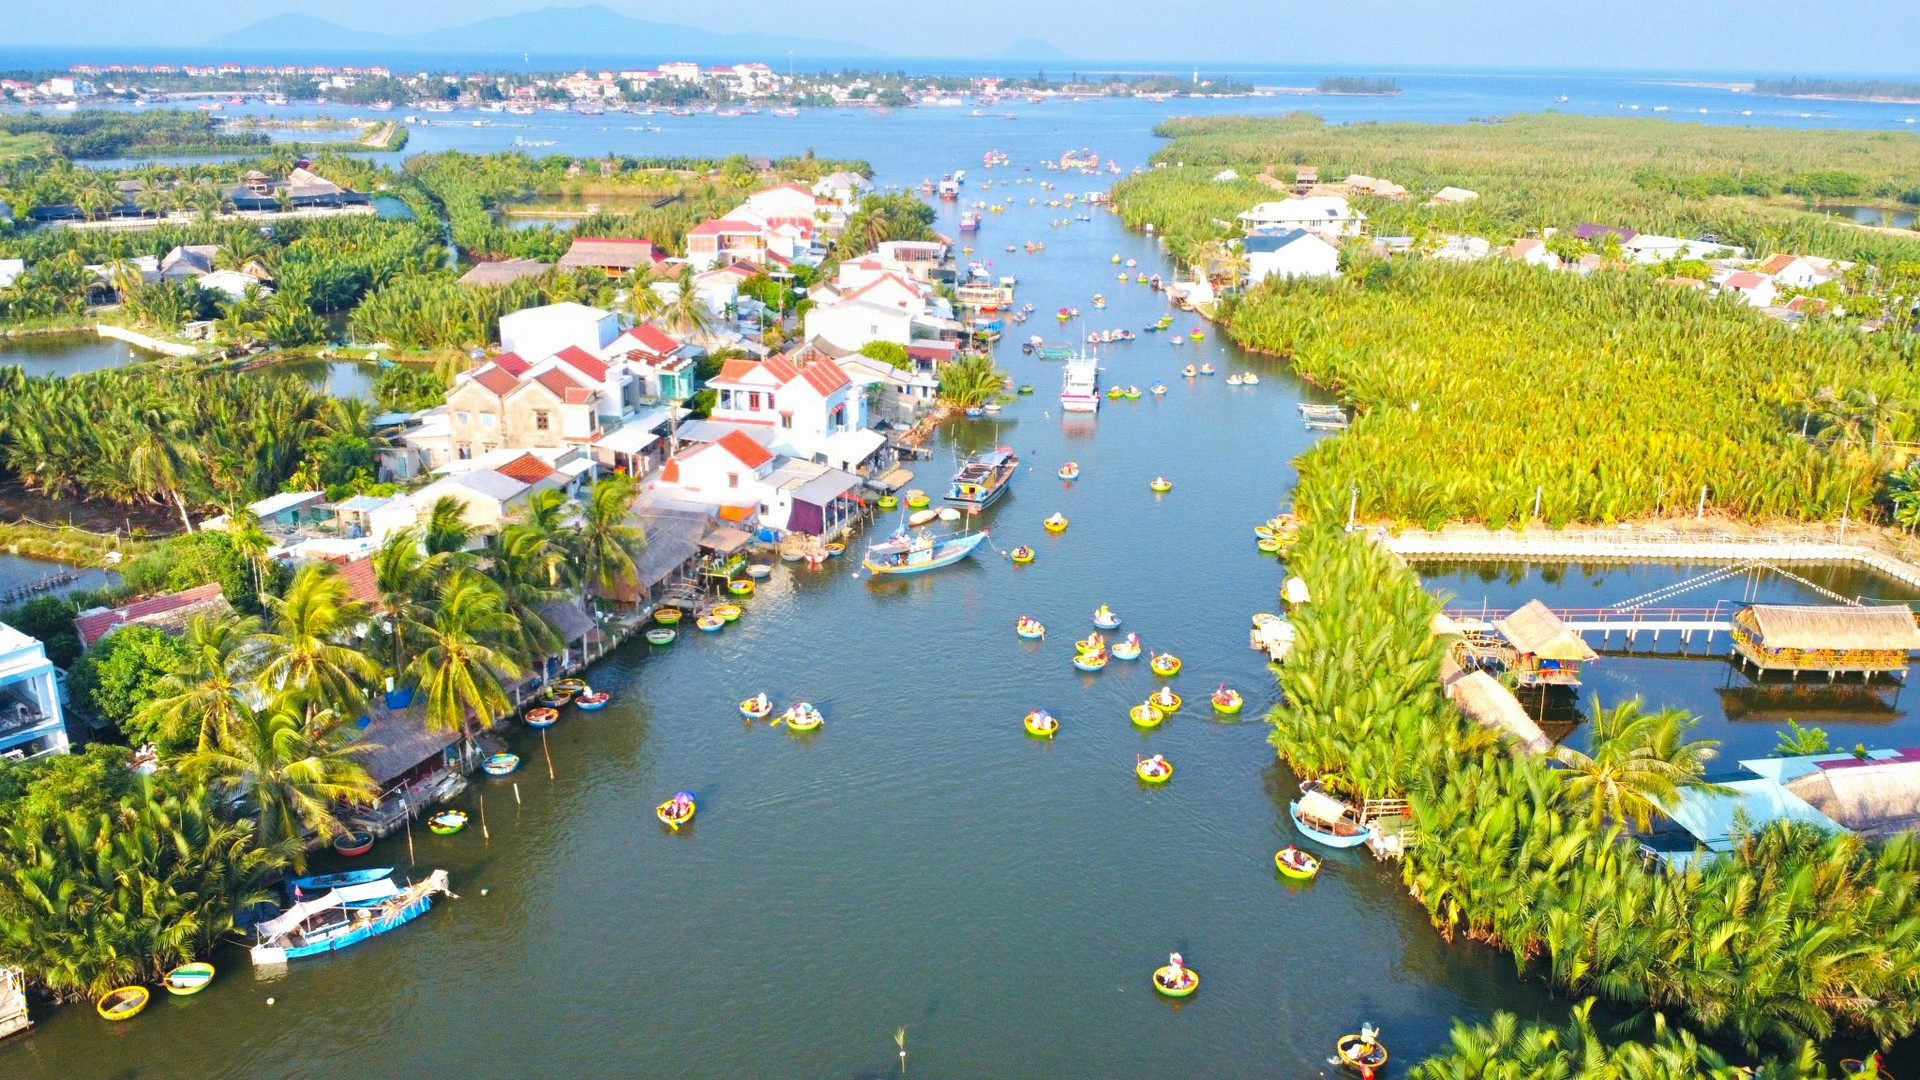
{"x":919,"y":861}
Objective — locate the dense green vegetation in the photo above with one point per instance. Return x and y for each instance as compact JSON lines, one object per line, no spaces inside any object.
{"x":1795,"y":934}
{"x":1653,"y":175}
{"x":1838,"y":88}
{"x":109,"y":133}
{"x":1356,"y":84}
{"x":1508,"y":1050}
{"x":1611,"y":396}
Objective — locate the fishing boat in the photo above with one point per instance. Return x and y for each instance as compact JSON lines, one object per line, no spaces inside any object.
{"x":344,"y":917}
{"x":1091,"y":643}
{"x":1070,"y":471}
{"x":1165,"y":664}
{"x":1227,"y":701}
{"x":1041,"y":724}
{"x":1176,"y":982}
{"x":1030,"y":629}
{"x":710,"y":624}
{"x":591,"y":701}
{"x":983,"y":478}
{"x":1056,"y":523}
{"x":1022,"y":554}
{"x":1105,"y":619}
{"x":756,"y":707}
{"x":1296,"y":864}
{"x":660,"y":635}
{"x":912,"y":553}
{"x":673,"y":816}
{"x":1153,"y":770}
{"x":1128,"y":649}
{"x":1090,"y":661}
{"x":802,"y":716}
{"x":447,"y":822}
{"x":501,"y":764}
{"x":188,"y":979}
{"x":970,"y":221}
{"x":1325,"y":819}
{"x":1165,"y":700}
{"x":1161,"y":485}
{"x":1080,"y":385}
{"x":1206,"y":369}
{"x":1146,"y":715}
{"x":542,"y":717}
{"x":124,"y":1003}
{"x":303,"y":887}
{"x":1364,"y":1053}
{"x":352,"y":843}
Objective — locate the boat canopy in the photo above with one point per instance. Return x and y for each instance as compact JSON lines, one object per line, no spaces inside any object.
{"x":306,"y":909}
{"x":1320,"y":806}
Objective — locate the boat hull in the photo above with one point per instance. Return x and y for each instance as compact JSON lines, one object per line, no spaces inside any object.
{"x":264,"y":955}
{"x":945,"y":554}
{"x":1332,"y":840}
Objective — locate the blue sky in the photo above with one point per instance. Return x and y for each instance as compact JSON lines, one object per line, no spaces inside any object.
{"x":1733,"y":36}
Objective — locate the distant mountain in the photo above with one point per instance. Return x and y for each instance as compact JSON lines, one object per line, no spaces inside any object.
{"x":569,"y":30}
{"x":1033,"y":49}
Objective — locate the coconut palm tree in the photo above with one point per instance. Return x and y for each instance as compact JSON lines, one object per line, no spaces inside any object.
{"x":459,"y":669}
{"x":688,"y":314}
{"x":448,"y":532}
{"x":161,"y":460}
{"x":306,"y":644}
{"x":971,"y":381}
{"x":210,"y":690}
{"x":1635,"y":763}
{"x":404,"y":577}
{"x":609,"y":540}
{"x":642,"y":302}
{"x":291,"y":761}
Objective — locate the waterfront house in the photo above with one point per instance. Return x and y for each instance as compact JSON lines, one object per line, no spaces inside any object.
{"x":726,"y":240}
{"x":870,"y":301}
{"x":1290,"y":254}
{"x":506,"y":403}
{"x":615,"y":257}
{"x":412,"y":766}
{"x":503,"y":272}
{"x":489,"y":496}
{"x":1704,"y":821}
{"x":811,"y":499}
{"x":1875,"y":795}
{"x":1328,"y":215}
{"x":664,"y":368}
{"x":1799,"y":271}
{"x":803,"y":394}
{"x":1835,"y":639}
{"x":785,"y":201}
{"x":539,"y":332}
{"x":167,"y":613}
{"x":730,"y":473}
{"x":1542,"y":652}
{"x":1481,"y":698}
{"x":31,"y":722}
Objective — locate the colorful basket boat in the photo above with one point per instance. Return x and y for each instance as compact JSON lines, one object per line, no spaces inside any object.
{"x":740,"y":586}
{"x":1041,"y":724}
{"x":755,"y":708}
{"x":1146,"y":716}
{"x":1296,"y":864}
{"x":729,"y":612}
{"x":124,"y":1003}
{"x":1227,"y":701}
{"x":1148,"y":775}
{"x":665,"y":812}
{"x":500,"y":764}
{"x":447,"y":822}
{"x":594,"y":701}
{"x":710,"y":624}
{"x":1165,"y":664}
{"x":353,"y":843}
{"x":1185,"y":989}
{"x":660,"y":636}
{"x":542,"y":717}
{"x":188,"y":979}
{"x":1165,"y":700}
{"x":667,"y":616}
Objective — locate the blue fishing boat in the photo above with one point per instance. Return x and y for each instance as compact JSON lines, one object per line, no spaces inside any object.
{"x":342,"y":917}
{"x":984,"y":478}
{"x":1322,"y":818}
{"x":913,"y":553}
{"x":302,"y":887}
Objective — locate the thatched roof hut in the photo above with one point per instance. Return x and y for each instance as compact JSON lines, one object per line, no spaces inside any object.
{"x":1832,"y":638}
{"x":1545,"y":652}
{"x":1875,"y":796}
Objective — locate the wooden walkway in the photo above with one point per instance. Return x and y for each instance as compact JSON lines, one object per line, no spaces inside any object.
{"x":1641,"y":546}
{"x":1628,"y":622}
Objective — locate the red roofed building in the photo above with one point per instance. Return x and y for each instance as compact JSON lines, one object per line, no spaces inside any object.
{"x":168,"y":613}
{"x":730,"y":472}
{"x":615,"y":257}
{"x":1752,"y":288}
{"x":664,"y":368}
{"x":803,"y":394}
{"x":548,"y":406}
{"x":725,"y":240}
{"x":526,"y":468}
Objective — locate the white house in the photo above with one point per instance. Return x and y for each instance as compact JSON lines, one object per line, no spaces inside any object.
{"x":731,"y":471}
{"x":1328,"y":215}
{"x":1753,"y":289}
{"x":787,"y":200}
{"x":882,"y":306}
{"x":803,"y":395}
{"x":1647,"y":249}
{"x":31,"y":723}
{"x":843,"y":189}
{"x":1291,"y":254}
{"x":1533,"y":252}
{"x":1797,"y":271}
{"x":617,"y":390}
{"x":540,"y":332}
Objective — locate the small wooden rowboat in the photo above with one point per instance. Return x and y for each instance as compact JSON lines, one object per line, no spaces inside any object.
{"x":593,"y":701}
{"x":447,"y":822}
{"x":542,"y":717}
{"x":124,"y":1003}
{"x":188,"y":979}
{"x":353,"y":842}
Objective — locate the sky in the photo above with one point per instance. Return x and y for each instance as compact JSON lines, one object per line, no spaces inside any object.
{"x":1866,"y":37}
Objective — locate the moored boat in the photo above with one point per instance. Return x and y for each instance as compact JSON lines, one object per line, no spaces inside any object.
{"x":591,"y":701}
{"x":542,"y":717}
{"x":660,"y":635}
{"x":729,"y":612}
{"x":123,"y":1003}
{"x":667,"y":616}
{"x":343,"y":917}
{"x":710,"y":624}
{"x":501,"y":764}
{"x":740,"y":586}
{"x":984,"y":478}
{"x":556,"y":696}
{"x":301,"y":887}
{"x":914,"y":553}
{"x":760,"y":571}
{"x":188,"y":979}
{"x":1080,"y":385}
{"x":1327,"y":820}
{"x":447,"y":822}
{"x":353,"y":842}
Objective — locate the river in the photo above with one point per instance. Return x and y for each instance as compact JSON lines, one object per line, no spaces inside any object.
{"x":919,"y":861}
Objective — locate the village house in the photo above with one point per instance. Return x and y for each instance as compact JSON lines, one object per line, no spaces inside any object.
{"x":1361,"y":184}
{"x":167,"y":613}
{"x":616,"y":257}
{"x":1290,"y":254}
{"x":540,"y":332}
{"x":843,"y":189}
{"x":1798,"y":271}
{"x":663,"y":368}
{"x":869,"y":300}
{"x":1533,"y":252}
{"x":503,"y":271}
{"x":785,"y":201}
{"x":1452,"y":196}
{"x":730,"y":473}
{"x":726,"y":240}
{"x":1328,"y":215}
{"x":1753,"y":289}
{"x":505,"y":403}
{"x":31,"y":722}
{"x":489,"y":496}
{"x":804,"y":395}
{"x":1647,"y":249}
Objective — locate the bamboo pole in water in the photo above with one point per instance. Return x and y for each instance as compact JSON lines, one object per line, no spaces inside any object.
{"x":546,"y":752}
{"x":484,"y":835}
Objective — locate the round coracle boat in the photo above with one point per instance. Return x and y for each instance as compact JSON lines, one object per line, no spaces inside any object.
{"x":1165,"y":664}
{"x":1054,"y":524}
{"x":1090,"y":661}
{"x":1153,"y":770}
{"x":1161,"y":485}
{"x":1022,"y":555}
{"x":501,"y":764}
{"x":447,"y":822}
{"x":1165,"y":700}
{"x":740,"y":586}
{"x":755,"y":708}
{"x":542,"y":717}
{"x":1128,"y":649}
{"x":672,"y":816}
{"x":1146,"y":716}
{"x":802,"y":717}
{"x":188,"y":979}
{"x":1176,"y":983}
{"x":593,"y":701}
{"x":1363,"y":1052}
{"x":1091,"y":643}
{"x":1105,"y":619}
{"x":124,"y":1003}
{"x":353,"y":842}
{"x":761,"y":571}
{"x":710,"y":624}
{"x":1031,"y":629}
{"x":1069,"y":471}
{"x":916,"y":499}
{"x":1227,"y":701}
{"x":667,"y":616}
{"x":886,"y":502}
{"x":729,"y":612}
{"x":1296,"y":864}
{"x":1041,"y":724}
{"x":660,"y":636}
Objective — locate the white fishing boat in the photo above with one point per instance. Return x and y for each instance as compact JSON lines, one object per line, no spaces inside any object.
{"x":1080,"y":385}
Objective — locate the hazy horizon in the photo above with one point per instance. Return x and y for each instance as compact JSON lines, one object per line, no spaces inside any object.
{"x":1847,"y":37}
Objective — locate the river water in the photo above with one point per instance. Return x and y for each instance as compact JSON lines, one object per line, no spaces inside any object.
{"x":919,"y":861}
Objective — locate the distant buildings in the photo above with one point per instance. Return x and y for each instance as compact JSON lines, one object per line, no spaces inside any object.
{"x":1328,"y":215}
{"x":1290,"y":254}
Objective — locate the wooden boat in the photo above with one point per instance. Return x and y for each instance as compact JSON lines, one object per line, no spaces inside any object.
{"x":673,"y":821}
{"x":1162,"y":981}
{"x":353,"y":842}
{"x":914,"y":553}
{"x":835,"y":550}
{"x":1041,"y":724}
{"x":922,"y":517}
{"x":447,"y":822}
{"x":1153,"y":770}
{"x":188,"y":979}
{"x":344,"y":917}
{"x":501,"y":764}
{"x":1165,"y":664}
{"x":1165,"y":700}
{"x":1227,"y":701}
{"x":1295,"y":864}
{"x":660,"y":635}
{"x":591,"y":701}
{"x":1364,"y":1053}
{"x":1031,"y":629}
{"x":710,"y":624}
{"x":1324,"y":819}
{"x":302,"y":887}
{"x":667,"y":616}
{"x":1056,"y":523}
{"x":542,"y":717}
{"x":740,"y":586}
{"x":1105,"y":619}
{"x":1268,"y":545}
{"x":1146,"y":715}
{"x":124,"y":1003}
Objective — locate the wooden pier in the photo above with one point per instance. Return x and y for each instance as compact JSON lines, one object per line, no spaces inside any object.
{"x":13,"y":1002}
{"x":1642,"y":545}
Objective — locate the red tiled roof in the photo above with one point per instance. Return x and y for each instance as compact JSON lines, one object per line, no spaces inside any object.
{"x":513,"y":363}
{"x":583,"y":362}
{"x":825,"y":376}
{"x":723,"y":225}
{"x":653,"y":338}
{"x":876,"y":283}
{"x":362,"y":586}
{"x":563,"y":387}
{"x":526,"y":468}
{"x":735,"y":370}
{"x":745,"y":450}
{"x":92,"y":628}
{"x":497,"y":379}
{"x":1776,"y":263}
{"x":1745,"y":279}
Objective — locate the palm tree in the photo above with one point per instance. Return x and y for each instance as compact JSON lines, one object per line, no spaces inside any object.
{"x":688,"y":314}
{"x":304,"y":645}
{"x":403,"y":576}
{"x":292,"y":761}
{"x":547,"y":519}
{"x":448,"y":532}
{"x":1799,"y":741}
{"x":971,"y":381}
{"x":459,"y":670}
{"x":160,"y":460}
{"x":123,"y":277}
{"x":609,"y":541}
{"x":1636,"y":762}
{"x":209,"y":691}
{"x":252,"y":543}
{"x":642,"y":302}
